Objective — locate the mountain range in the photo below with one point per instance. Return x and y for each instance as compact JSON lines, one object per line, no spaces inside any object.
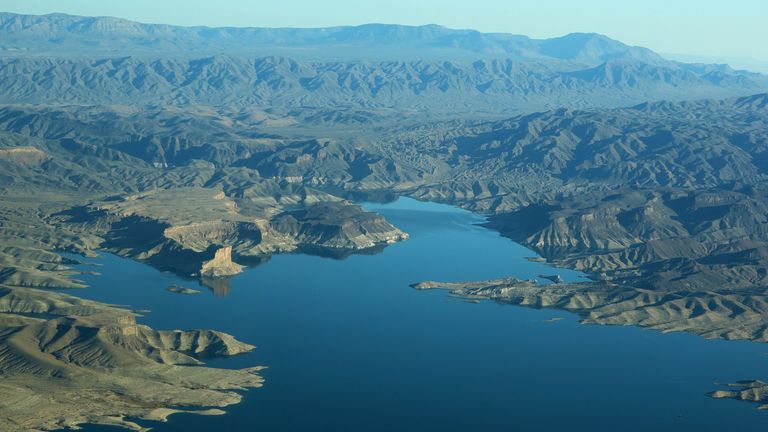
{"x":58,"y":33}
{"x":352,"y":72}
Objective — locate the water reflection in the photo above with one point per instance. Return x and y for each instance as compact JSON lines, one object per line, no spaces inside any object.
{"x":219,"y":286}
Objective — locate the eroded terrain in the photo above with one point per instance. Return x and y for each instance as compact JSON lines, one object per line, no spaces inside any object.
{"x":204,"y":166}
{"x":73,"y":361}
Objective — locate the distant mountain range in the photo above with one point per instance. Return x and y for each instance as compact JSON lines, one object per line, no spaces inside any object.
{"x":59,"y":34}
{"x":425,"y":71}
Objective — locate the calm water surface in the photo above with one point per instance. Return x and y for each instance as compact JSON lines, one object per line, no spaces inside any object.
{"x":350,"y":347}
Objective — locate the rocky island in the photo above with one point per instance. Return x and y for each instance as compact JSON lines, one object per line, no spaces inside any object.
{"x":178,"y":289}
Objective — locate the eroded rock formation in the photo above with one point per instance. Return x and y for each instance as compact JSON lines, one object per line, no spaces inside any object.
{"x":221,"y":265}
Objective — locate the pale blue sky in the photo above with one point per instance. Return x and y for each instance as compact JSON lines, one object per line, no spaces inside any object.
{"x":717,"y":28}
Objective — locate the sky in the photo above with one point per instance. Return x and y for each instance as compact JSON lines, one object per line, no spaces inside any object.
{"x":702,"y":28}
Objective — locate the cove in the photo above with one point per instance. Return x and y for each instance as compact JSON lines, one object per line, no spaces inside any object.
{"x":351,"y":347}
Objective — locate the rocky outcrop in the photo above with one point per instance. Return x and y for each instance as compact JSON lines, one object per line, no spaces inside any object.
{"x":221,"y":265}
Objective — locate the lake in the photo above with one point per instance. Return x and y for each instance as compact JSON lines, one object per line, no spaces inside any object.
{"x":351,"y":347}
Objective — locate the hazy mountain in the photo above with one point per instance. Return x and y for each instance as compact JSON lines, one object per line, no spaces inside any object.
{"x":431,"y":88}
{"x":429,"y":70}
{"x":66,"y":35}
{"x":745,"y":63}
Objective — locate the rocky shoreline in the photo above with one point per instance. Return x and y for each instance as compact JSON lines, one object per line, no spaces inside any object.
{"x":66,"y":361}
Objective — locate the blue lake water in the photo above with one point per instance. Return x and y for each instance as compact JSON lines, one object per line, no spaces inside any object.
{"x":351,"y":347}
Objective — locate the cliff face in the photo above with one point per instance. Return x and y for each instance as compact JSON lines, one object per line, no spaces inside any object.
{"x":221,"y":265}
